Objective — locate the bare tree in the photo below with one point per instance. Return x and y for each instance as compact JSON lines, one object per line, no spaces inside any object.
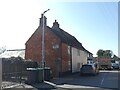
{"x":2,"y":49}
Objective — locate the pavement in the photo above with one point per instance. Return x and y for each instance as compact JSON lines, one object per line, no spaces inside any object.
{"x":45,"y":86}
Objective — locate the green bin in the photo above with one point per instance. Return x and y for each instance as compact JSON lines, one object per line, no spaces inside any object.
{"x":32,"y":75}
{"x":47,"y":73}
{"x":35,"y":75}
{"x":40,"y":75}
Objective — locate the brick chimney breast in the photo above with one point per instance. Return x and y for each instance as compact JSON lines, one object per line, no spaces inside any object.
{"x":41,"y":21}
{"x":55,"y":25}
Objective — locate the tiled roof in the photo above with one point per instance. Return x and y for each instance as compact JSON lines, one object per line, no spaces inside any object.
{"x":68,"y":39}
{"x":13,"y":53}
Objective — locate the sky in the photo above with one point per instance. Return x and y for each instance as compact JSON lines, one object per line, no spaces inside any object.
{"x":94,"y":24}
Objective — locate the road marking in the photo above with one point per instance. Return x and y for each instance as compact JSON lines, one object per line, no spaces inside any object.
{"x":103,"y":80}
{"x":107,"y":71}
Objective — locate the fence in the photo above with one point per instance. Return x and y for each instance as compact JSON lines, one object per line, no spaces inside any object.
{"x":14,"y":70}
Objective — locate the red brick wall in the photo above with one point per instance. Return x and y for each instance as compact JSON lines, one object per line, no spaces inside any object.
{"x":33,"y":46}
{"x":65,"y":58}
{"x":33,"y":49}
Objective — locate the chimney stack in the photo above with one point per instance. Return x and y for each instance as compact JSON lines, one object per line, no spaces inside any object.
{"x":41,"y":21}
{"x":55,"y":25}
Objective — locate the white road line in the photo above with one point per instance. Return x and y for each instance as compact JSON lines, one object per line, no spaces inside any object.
{"x":105,"y":76}
{"x":103,"y":80}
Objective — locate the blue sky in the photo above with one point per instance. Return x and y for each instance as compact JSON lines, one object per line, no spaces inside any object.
{"x":94,"y":24}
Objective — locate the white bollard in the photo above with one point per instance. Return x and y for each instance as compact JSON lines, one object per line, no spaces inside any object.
{"x":0,"y":72}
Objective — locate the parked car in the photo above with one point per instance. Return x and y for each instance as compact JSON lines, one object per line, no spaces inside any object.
{"x":115,"y":65}
{"x":89,"y":69}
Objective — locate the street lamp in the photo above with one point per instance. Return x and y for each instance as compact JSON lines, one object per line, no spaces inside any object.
{"x":43,"y":66}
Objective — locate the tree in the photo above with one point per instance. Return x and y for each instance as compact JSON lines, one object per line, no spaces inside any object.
{"x":2,"y":50}
{"x":108,"y":53}
{"x":100,"y":53}
{"x":104,"y":53}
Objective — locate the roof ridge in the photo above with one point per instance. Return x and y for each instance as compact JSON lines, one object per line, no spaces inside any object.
{"x":16,"y":50}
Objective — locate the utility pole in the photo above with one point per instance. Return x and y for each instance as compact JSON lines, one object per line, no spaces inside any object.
{"x":43,"y":44}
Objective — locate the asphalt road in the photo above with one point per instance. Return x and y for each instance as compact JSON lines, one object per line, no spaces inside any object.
{"x":105,"y":80}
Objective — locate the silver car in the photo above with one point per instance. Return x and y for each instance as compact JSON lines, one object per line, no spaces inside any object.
{"x":115,"y":66}
{"x":89,"y":69}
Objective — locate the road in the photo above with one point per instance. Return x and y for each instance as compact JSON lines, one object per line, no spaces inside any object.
{"x":105,"y":79}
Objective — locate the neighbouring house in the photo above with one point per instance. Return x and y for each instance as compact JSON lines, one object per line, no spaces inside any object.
{"x":63,"y":52}
{"x":91,"y":60}
{"x":13,"y":53}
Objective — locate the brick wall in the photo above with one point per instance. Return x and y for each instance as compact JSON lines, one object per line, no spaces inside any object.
{"x":33,"y":49}
{"x":65,"y":58}
{"x":33,"y":46}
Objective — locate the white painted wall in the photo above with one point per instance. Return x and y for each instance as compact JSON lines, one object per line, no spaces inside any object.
{"x":77,"y":60}
{"x":0,"y":73}
{"x":84,"y":57}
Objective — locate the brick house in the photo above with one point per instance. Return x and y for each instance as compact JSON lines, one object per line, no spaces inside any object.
{"x":63,"y":52}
